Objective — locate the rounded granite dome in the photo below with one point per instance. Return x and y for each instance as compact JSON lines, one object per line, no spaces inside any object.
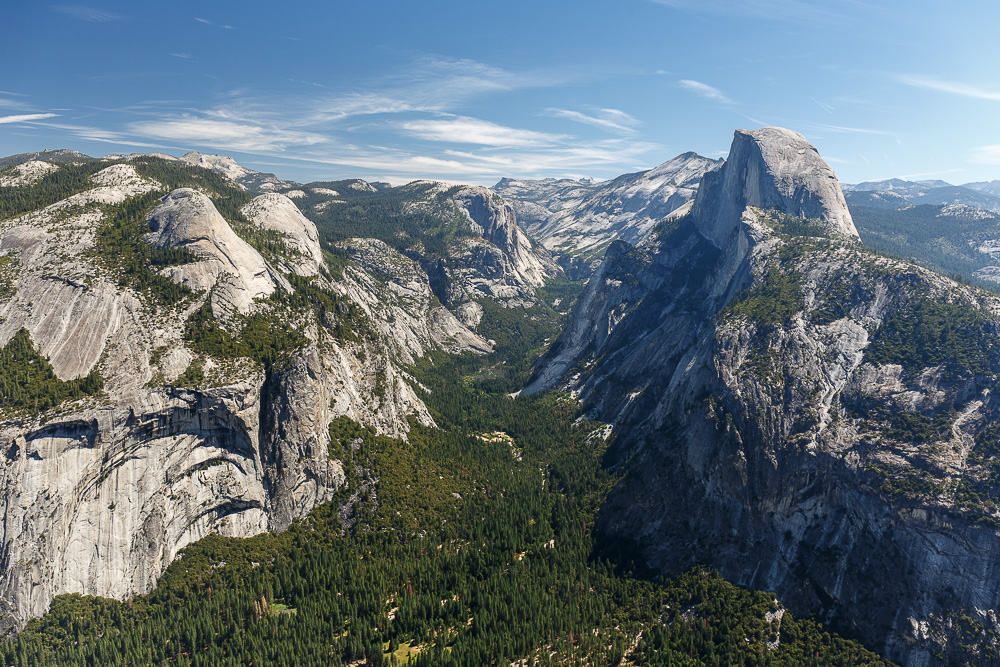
{"x":770,"y":168}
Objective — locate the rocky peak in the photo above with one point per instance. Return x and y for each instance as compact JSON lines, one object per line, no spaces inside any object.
{"x":123,"y":177}
{"x":493,"y":217}
{"x":770,"y":168}
{"x":686,"y":168}
{"x":248,"y":179}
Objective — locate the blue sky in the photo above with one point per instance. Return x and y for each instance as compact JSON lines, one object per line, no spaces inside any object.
{"x":471,"y":92}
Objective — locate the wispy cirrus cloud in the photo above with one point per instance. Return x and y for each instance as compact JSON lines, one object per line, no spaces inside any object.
{"x":127,"y":76}
{"x":823,"y":105}
{"x":986,"y":154}
{"x":431,"y":85}
{"x":9,"y":103}
{"x":92,"y":14}
{"x":925,"y":174}
{"x":841,"y":129}
{"x":614,"y":120}
{"x":226,"y":134}
{"x":705,"y":90}
{"x":412,"y":123}
{"x":214,"y":24}
{"x":26,"y":118}
{"x":466,"y":130}
{"x":562,"y":159}
{"x":102,"y":135}
{"x":400,"y":166}
{"x":953,"y":87}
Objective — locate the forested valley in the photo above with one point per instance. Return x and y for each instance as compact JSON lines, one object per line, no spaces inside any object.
{"x":468,"y":544}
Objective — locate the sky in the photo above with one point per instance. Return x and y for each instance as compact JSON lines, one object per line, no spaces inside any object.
{"x":472,"y":91}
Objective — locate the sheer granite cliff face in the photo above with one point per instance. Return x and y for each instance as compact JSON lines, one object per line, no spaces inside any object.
{"x":100,"y":494}
{"x":799,"y":413}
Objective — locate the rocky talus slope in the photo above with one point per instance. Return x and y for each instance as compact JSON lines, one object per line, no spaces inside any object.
{"x":807,"y":416}
{"x":192,"y":433}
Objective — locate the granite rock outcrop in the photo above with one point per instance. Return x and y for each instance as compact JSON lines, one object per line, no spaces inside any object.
{"x":101,"y":493}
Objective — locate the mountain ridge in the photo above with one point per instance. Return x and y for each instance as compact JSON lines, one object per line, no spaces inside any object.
{"x":580,"y":218}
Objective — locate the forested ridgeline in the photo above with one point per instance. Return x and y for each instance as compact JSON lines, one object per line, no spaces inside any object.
{"x":922,"y":234}
{"x":414,"y":217}
{"x":75,"y":177}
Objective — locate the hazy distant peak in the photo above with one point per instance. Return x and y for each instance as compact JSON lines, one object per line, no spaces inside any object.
{"x":225,"y":165}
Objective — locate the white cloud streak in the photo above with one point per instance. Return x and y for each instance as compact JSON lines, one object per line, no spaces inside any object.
{"x":850,"y":130}
{"x":92,"y":14}
{"x":705,"y":90}
{"x":986,"y":154}
{"x":7,"y":103}
{"x":953,"y":87}
{"x":26,"y":118}
{"x":464,"y":130}
{"x":614,"y":120}
{"x":822,"y":105}
{"x":925,"y":174}
{"x":214,"y":24}
{"x":225,"y":134}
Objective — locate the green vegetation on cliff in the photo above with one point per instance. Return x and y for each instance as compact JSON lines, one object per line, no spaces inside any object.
{"x":28,"y":385}
{"x":120,"y":248}
{"x":934,"y":332}
{"x":8,"y":275}
{"x":261,"y":336}
{"x":54,"y":186}
{"x":770,"y":302}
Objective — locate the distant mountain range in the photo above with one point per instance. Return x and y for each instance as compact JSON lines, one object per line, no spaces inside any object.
{"x":254,"y":182}
{"x":985,"y":195}
{"x":48,"y":155}
{"x":582,"y":218}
